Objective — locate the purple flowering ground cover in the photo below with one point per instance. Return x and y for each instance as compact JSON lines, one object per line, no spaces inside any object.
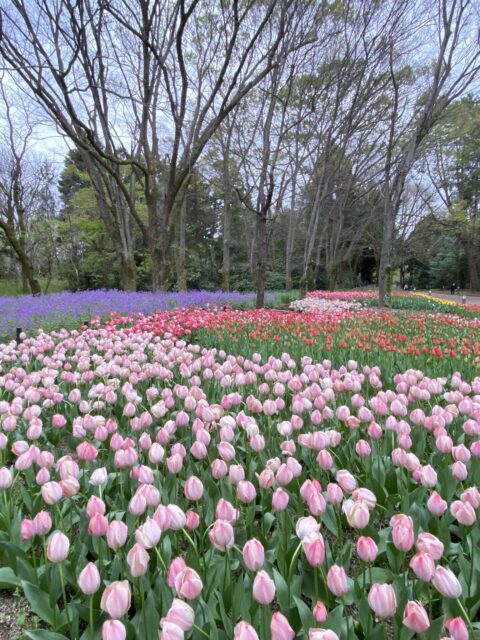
{"x":67,"y":308}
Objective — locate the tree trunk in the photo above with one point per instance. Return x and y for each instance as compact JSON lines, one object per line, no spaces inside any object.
{"x":227,"y":202}
{"x":181,"y":254}
{"x":24,"y":259}
{"x":290,"y":237}
{"x":128,"y":272}
{"x":472,"y":267}
{"x":385,"y":267}
{"x":261,"y":251}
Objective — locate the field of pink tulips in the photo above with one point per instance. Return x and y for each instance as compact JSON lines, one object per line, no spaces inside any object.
{"x":152,"y":487}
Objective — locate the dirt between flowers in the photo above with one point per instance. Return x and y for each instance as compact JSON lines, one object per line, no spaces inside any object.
{"x":14,"y":614}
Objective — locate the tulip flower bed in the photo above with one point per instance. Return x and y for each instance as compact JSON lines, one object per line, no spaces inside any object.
{"x":149,"y":485}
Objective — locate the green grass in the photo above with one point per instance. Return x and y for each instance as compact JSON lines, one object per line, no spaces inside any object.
{"x":12,"y":287}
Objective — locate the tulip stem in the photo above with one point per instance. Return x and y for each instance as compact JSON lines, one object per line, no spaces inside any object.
{"x":61,"y":517}
{"x":159,"y":556}
{"x":292,"y":562}
{"x":200,"y":630}
{"x":467,"y":617}
{"x":194,"y":547}
{"x":92,"y":630}
{"x":64,"y":594}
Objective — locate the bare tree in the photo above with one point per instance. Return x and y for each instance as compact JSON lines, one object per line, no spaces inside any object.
{"x":73,"y":56}
{"x":455,"y":65}
{"x":24,"y":178}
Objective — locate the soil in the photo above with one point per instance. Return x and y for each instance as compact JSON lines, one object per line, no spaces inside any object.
{"x":14,"y":614}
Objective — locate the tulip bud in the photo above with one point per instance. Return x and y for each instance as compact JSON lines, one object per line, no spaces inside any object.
{"x":113,"y":630}
{"x":280,"y":627}
{"x":244,"y":631}
{"x":58,"y":547}
{"x":263,"y":588}
{"x":116,"y":599}
{"x":89,"y":579}
{"x":415,"y":617}
{"x":337,"y":580}
{"x":383,"y":600}
{"x":137,"y":560}
{"x":253,"y":554}
{"x":320,"y":611}
{"x":188,"y":584}
{"x":447,"y":583}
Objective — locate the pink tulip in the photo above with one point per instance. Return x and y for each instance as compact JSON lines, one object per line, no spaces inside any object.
{"x":463,"y":512}
{"x":471,"y":496}
{"x":346,"y":481}
{"x":320,"y":611}
{"x":415,"y":617}
{"x":51,"y":492}
{"x":314,"y":548}
{"x":430,"y":544}
{"x":58,"y":547}
{"x":457,"y":628}
{"x":403,"y":537}
{"x":219,"y":469}
{"x":357,"y":514}
{"x":148,"y":534}
{"x":113,"y":630}
{"x":6,"y":478}
{"x":253,"y":554}
{"x":95,"y":505}
{"x":137,"y":560}
{"x":334,"y":493}
{"x":181,"y":614}
{"x":459,"y":471}
{"x":363,"y":449}
{"x":226,"y":511}
{"x":98,"y":525}
{"x":244,"y":631}
{"x":188,"y":584}
{"x":117,"y":533}
{"x":221,"y":535}
{"x":27,"y":529}
{"x":42,"y":523}
{"x":382,"y":600}
{"x":306,"y":525}
{"x":423,"y":565}
{"x":280,"y":628}
{"x":436,"y":504}
{"x":246,"y":491}
{"x":337,"y":580}
{"x":193,"y":489}
{"x":367,"y":549}
{"x":280,"y":499}
{"x":447,"y":583}
{"x":170,"y":631}
{"x":176,"y":517}
{"x":177,"y":565}
{"x":116,"y":599}
{"x":192,"y":520}
{"x":263,"y":588}
{"x":89,"y":579}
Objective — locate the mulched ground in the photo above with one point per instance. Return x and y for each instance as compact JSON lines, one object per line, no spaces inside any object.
{"x":14,"y":614}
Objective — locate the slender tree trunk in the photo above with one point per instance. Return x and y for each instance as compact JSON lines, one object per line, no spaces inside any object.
{"x":227,"y":202}
{"x":181,"y":253}
{"x":25,"y":262}
{"x":385,"y":267}
{"x":290,"y":236}
{"x":261,"y":241}
{"x":472,"y":267}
